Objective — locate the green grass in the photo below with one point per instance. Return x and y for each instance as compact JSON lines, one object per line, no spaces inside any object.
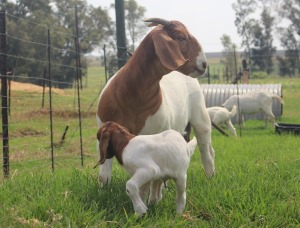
{"x":257,"y":182}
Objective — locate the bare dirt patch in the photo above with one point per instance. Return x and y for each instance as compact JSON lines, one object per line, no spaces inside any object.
{"x":28,"y":87}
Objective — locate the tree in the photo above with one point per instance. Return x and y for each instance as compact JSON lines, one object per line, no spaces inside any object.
{"x":228,"y":54}
{"x":262,"y":41}
{"x":134,"y":15}
{"x":28,"y":36}
{"x":257,"y":35}
{"x":289,"y":36}
{"x":244,"y":23}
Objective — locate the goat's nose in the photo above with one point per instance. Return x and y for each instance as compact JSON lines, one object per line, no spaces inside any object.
{"x":204,"y":64}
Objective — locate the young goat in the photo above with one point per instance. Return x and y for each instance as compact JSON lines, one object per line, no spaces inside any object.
{"x":150,"y":160}
{"x":254,"y":102}
{"x":220,"y":115}
{"x":154,"y":92}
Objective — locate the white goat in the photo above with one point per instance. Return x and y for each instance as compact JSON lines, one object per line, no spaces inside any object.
{"x":150,"y":160}
{"x":220,"y":115}
{"x":254,"y":102}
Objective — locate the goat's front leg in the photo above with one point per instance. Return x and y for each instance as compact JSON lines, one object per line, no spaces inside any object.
{"x":139,"y":179}
{"x":203,"y":135}
{"x":180,"y":193}
{"x":105,"y":172}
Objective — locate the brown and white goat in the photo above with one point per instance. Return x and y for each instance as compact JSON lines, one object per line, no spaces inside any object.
{"x":149,"y":160}
{"x":146,"y":98}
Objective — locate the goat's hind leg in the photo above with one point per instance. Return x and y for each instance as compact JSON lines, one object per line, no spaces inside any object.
{"x":156,"y":191}
{"x":144,"y":192}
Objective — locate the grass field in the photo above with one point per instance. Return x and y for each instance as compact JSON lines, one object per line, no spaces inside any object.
{"x":257,"y":182}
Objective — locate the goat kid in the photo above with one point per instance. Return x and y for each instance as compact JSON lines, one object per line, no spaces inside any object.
{"x":149,"y":160}
{"x":254,"y":102}
{"x":150,"y":94}
{"x":220,"y":115}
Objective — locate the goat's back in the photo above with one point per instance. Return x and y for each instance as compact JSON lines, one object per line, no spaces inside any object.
{"x":165,"y":153}
{"x":251,"y":102}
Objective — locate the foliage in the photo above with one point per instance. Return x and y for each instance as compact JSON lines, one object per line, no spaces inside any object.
{"x":134,"y":15}
{"x":228,"y":54}
{"x":28,"y":25}
{"x":262,"y":51}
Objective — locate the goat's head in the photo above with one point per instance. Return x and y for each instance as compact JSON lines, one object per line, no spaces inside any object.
{"x":177,"y":48}
{"x":112,"y":139}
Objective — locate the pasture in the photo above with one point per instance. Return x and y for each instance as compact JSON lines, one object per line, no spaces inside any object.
{"x":257,"y":182}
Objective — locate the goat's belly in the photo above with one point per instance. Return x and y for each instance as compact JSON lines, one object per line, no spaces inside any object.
{"x":163,"y":120}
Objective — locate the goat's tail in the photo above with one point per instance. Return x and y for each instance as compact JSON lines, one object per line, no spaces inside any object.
{"x":278,"y":98}
{"x":191,"y":147}
{"x":233,"y":111}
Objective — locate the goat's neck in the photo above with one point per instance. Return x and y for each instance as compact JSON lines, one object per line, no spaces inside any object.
{"x":119,"y":143}
{"x":143,"y":72}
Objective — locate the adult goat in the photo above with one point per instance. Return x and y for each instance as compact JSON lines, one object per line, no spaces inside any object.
{"x":146,"y":98}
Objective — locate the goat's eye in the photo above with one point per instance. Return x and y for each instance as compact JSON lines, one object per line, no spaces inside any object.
{"x":180,"y":38}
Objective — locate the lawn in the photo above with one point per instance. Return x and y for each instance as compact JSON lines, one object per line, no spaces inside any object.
{"x":257,"y":182}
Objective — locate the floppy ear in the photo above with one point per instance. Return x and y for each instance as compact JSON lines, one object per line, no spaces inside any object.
{"x":105,"y":137}
{"x":168,"y":50}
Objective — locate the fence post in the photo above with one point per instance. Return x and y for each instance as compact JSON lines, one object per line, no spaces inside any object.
{"x":208,"y":75}
{"x":78,"y":95}
{"x":4,"y":94}
{"x":105,"y":66}
{"x":50,"y":100}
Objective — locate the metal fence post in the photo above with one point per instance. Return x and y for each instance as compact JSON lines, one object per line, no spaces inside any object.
{"x":3,"y":73}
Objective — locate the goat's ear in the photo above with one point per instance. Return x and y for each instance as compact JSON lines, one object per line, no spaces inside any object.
{"x":104,"y":141}
{"x":168,"y":50}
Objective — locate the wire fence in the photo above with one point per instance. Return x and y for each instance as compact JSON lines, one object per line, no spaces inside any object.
{"x":49,"y":122}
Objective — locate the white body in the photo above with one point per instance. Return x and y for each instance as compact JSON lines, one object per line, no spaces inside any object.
{"x":152,"y":159}
{"x":254,"y":102}
{"x":183,"y":102}
{"x":220,"y":115}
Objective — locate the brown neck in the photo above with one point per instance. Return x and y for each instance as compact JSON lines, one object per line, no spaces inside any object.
{"x":118,"y":144}
{"x":134,"y":93}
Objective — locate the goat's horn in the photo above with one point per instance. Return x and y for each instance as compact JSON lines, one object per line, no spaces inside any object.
{"x":156,"y":21}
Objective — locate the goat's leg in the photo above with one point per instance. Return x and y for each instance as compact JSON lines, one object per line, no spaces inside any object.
{"x":231,"y":127}
{"x":105,"y":172}
{"x":180,"y":193}
{"x":203,"y":135}
{"x":144,"y":192}
{"x":140,"y":178}
{"x":269,"y":116}
{"x":156,"y":191}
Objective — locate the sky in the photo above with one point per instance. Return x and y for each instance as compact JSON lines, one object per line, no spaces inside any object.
{"x":207,"y":20}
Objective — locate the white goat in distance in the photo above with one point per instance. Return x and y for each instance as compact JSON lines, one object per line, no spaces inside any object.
{"x":254,"y":102}
{"x":220,"y":115}
{"x":150,"y":160}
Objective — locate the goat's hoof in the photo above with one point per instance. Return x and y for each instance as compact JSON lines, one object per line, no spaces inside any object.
{"x":102,"y":181}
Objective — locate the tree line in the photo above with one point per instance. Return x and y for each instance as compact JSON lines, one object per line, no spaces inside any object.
{"x":257,"y":23}
{"x":27,"y":23}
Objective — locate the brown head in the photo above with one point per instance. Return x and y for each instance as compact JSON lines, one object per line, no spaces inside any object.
{"x":177,"y":48}
{"x":113,"y":138}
